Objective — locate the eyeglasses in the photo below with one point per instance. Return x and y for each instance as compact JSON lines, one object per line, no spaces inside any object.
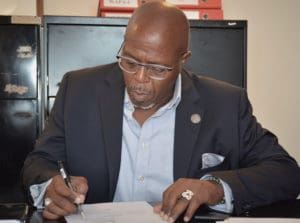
{"x":131,"y":66}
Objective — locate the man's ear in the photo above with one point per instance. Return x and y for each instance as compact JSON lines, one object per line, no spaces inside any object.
{"x":185,"y":57}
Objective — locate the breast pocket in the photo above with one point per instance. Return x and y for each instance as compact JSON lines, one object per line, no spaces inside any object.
{"x":211,"y":162}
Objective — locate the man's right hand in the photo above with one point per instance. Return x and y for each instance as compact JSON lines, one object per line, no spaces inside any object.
{"x":62,"y":199}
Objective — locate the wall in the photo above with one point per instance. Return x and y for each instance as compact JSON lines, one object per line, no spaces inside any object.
{"x":17,"y":7}
{"x":273,"y":55}
{"x":71,"y":7}
{"x":273,"y":64}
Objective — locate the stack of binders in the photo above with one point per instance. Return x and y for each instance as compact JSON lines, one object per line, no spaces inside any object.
{"x":194,"y":9}
{"x":200,"y":9}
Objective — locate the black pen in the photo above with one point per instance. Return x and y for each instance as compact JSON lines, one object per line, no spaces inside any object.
{"x":67,"y":180}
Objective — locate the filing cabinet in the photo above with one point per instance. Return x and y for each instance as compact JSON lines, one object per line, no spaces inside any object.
{"x":19,"y":103}
{"x":219,"y":48}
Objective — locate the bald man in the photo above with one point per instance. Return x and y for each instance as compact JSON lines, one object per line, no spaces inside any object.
{"x":144,"y":129}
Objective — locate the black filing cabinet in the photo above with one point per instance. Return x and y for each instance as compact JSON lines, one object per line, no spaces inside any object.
{"x":71,"y":43}
{"x":19,"y":115}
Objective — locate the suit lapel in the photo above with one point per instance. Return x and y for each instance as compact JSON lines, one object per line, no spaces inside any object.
{"x":188,"y":121}
{"x":111,"y":95}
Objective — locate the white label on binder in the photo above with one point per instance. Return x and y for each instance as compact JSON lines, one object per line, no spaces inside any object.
{"x":121,"y":3}
{"x":184,"y":2}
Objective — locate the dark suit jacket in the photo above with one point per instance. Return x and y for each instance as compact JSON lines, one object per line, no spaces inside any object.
{"x":85,"y":130}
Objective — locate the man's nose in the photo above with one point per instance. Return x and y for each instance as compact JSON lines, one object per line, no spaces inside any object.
{"x":141,"y":74}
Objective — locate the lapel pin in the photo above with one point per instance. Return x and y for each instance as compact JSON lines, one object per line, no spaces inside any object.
{"x":195,"y":118}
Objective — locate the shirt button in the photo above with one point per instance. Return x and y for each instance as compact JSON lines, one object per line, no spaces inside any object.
{"x":141,"y":178}
{"x":145,"y":145}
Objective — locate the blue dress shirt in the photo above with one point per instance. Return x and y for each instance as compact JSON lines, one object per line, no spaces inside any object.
{"x":147,"y":152}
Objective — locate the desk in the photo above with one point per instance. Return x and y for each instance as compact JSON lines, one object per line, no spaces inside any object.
{"x":282,"y":209}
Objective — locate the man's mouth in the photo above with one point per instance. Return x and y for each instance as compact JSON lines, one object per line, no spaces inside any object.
{"x":139,"y":92}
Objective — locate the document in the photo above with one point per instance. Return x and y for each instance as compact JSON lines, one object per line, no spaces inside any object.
{"x":116,"y":212}
{"x":10,"y":221}
{"x":260,"y":220}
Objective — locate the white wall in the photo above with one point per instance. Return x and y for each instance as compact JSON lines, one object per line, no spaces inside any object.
{"x":71,"y":7}
{"x":273,"y":64}
{"x":273,"y":55}
{"x":18,"y":7}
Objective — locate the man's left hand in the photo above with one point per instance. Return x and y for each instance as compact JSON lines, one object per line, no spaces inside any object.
{"x":187,"y":195}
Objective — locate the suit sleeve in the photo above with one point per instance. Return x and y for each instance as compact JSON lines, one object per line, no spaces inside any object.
{"x":266,"y":172}
{"x":41,"y":163}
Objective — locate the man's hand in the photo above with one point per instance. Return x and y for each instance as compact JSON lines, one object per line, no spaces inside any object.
{"x":63,"y":199}
{"x":174,"y":204}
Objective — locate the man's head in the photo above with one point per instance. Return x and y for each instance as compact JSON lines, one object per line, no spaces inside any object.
{"x":157,"y":34}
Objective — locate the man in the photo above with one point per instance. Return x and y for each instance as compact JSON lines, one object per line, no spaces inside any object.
{"x":146,"y":129}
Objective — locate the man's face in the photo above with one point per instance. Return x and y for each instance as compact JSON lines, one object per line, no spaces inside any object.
{"x":142,"y":90}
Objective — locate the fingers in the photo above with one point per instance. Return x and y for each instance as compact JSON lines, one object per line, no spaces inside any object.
{"x":192,"y":208}
{"x":80,"y":184}
{"x":59,"y":206}
{"x":80,"y":187}
{"x":48,"y":215}
{"x":63,"y":199}
{"x":185,"y":196}
{"x":157,"y":208}
{"x":178,"y":209}
{"x":170,"y":198}
{"x":173,"y":205}
{"x":55,"y":211}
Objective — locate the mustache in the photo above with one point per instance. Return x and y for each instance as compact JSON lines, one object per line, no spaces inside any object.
{"x":140,"y":89}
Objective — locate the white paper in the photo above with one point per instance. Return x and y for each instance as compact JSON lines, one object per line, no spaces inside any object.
{"x":116,"y":212}
{"x":261,"y":220}
{"x":10,"y":221}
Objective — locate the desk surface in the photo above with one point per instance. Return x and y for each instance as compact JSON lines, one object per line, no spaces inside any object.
{"x":284,"y":209}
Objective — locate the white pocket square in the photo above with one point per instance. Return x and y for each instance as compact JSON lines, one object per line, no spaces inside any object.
{"x":211,"y":160}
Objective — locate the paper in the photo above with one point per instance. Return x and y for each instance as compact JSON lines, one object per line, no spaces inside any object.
{"x":10,"y":221}
{"x":261,"y":220}
{"x":117,"y":212}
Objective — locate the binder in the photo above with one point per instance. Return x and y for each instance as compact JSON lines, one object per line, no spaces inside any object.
{"x":204,"y":14}
{"x":118,"y":5}
{"x":116,"y":14}
{"x":199,"y":14}
{"x":199,"y":4}
{"x":112,"y":8}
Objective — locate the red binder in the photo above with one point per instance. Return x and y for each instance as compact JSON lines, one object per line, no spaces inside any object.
{"x":204,"y":14}
{"x":129,"y":5}
{"x":118,"y":5}
{"x":116,"y":14}
{"x":203,"y":4}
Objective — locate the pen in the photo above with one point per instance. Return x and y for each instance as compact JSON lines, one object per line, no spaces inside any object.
{"x":67,"y":180}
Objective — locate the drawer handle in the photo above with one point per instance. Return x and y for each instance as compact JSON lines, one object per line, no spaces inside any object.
{"x":23,"y":114}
